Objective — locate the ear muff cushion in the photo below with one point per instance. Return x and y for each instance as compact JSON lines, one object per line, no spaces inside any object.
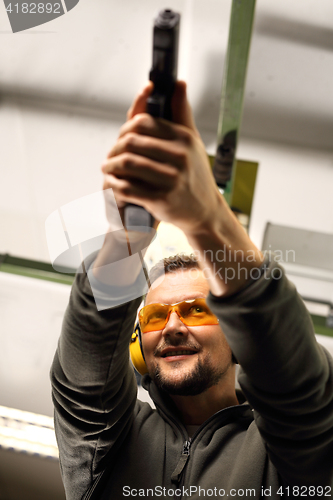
{"x":136,"y":354}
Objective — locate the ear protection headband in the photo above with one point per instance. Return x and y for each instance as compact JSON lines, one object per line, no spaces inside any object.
{"x":136,"y":352}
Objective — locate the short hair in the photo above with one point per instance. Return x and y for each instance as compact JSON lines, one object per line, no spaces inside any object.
{"x":179,"y":262}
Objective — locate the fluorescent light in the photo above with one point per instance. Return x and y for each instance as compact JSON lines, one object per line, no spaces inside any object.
{"x":27,"y":432}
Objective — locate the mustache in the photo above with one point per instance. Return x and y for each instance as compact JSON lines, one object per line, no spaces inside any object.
{"x":169,"y":343}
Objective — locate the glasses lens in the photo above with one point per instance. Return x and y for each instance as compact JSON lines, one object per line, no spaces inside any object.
{"x":192,"y":313}
{"x":196,"y":312}
{"x":153,"y":317}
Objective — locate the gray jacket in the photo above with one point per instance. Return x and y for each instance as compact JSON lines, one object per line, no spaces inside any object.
{"x":278,"y":443}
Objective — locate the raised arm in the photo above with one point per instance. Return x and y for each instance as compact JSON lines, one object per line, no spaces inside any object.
{"x":286,"y":375}
{"x":94,"y":388}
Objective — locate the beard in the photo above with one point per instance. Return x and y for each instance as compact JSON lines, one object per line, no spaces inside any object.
{"x":199,"y":379}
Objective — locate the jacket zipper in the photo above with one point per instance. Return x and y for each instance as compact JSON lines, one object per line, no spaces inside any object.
{"x":176,"y":475}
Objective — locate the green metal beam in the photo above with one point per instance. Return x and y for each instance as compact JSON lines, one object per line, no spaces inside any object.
{"x":33,"y":269}
{"x":233,"y":86}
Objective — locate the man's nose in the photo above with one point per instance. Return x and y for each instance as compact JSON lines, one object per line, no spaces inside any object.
{"x":175,"y":326}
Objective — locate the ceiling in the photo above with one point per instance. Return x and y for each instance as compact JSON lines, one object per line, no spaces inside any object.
{"x":95,"y":58}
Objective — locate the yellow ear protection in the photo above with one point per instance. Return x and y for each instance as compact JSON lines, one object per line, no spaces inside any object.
{"x":136,"y":352}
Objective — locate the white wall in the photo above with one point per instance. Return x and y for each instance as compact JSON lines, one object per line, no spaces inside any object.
{"x":47,"y":160}
{"x":293,"y":188}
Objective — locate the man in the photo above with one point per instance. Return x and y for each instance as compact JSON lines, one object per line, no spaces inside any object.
{"x":202,"y":439}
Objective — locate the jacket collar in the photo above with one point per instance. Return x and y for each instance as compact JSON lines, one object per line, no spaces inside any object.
{"x":164,"y":402}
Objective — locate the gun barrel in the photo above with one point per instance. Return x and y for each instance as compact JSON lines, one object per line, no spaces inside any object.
{"x":165,"y":61}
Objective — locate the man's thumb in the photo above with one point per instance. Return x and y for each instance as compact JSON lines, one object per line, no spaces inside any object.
{"x":140,"y":102}
{"x":181,"y":109}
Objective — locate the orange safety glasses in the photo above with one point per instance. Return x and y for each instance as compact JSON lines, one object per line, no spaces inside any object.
{"x":191,"y":312}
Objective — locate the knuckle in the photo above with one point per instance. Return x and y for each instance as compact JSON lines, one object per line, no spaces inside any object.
{"x":130,"y":141}
{"x":142,"y":122}
{"x":181,"y":156}
{"x":173,"y":175}
{"x":107,"y":166}
{"x":127,"y":160}
{"x":125,"y":189}
{"x":186,"y":137}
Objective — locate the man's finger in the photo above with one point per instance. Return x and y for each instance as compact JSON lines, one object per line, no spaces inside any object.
{"x":140,"y":102}
{"x":125,"y":191}
{"x":139,"y":168}
{"x":160,"y":150}
{"x":145,"y":124}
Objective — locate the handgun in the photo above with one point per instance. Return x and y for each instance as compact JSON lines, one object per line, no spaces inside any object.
{"x":164,"y":76}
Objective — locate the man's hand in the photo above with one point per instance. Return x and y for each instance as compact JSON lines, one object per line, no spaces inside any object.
{"x":163,"y":166}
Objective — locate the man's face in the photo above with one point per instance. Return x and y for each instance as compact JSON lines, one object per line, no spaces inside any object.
{"x":208,"y":356}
